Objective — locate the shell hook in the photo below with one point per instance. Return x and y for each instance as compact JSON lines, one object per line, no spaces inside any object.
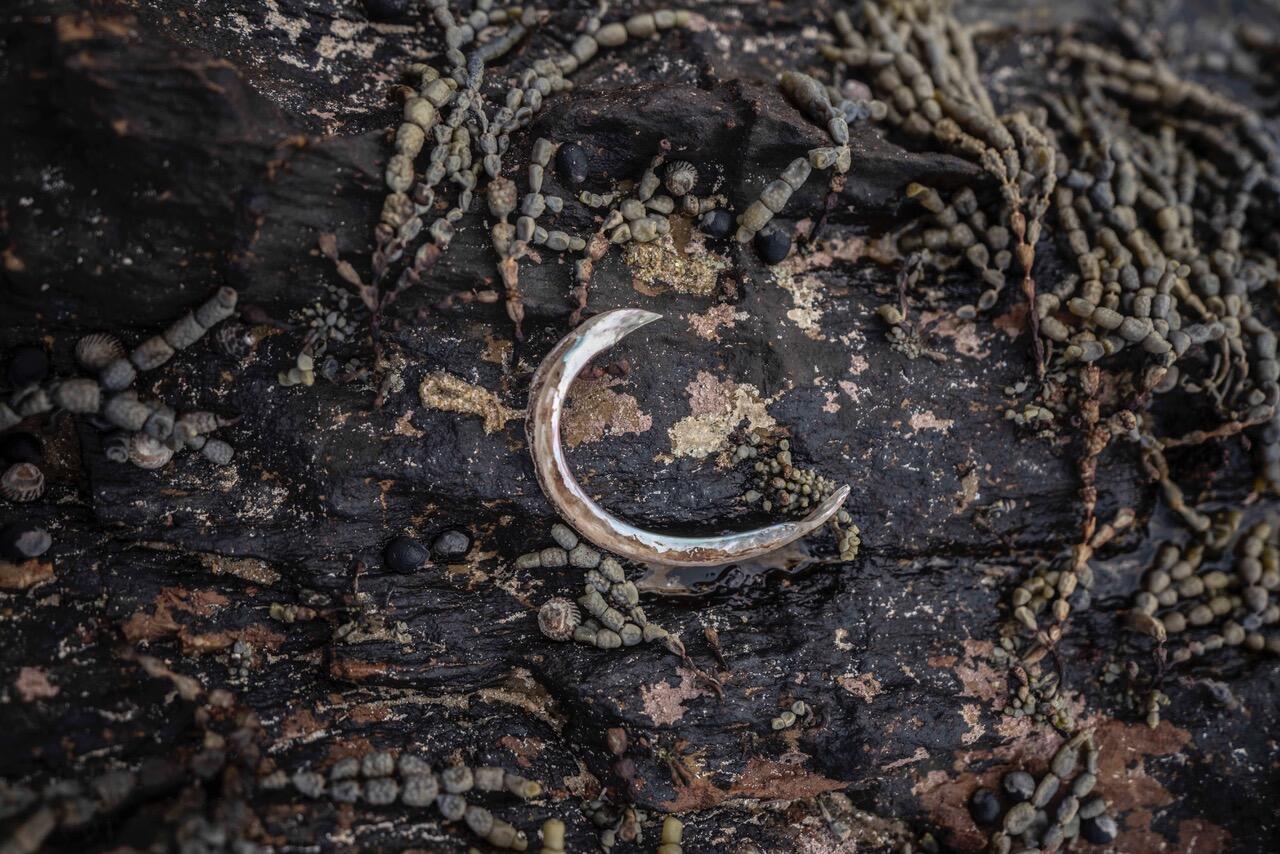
{"x":547,"y":396}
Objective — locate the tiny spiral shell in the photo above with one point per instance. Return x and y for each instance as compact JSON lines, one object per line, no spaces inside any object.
{"x":681,"y":175}
{"x":159,"y":424}
{"x":22,"y":482}
{"x":116,"y":447}
{"x":97,"y":350}
{"x":148,"y":453}
{"x":557,"y":618}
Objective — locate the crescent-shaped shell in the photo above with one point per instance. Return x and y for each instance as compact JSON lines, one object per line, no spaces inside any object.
{"x":547,"y":396}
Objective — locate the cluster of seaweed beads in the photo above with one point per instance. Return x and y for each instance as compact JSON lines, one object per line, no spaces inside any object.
{"x":1048,"y":406}
{"x":904,"y":335}
{"x":1197,"y":610}
{"x":644,"y":214}
{"x":959,"y":228}
{"x":617,"y":823}
{"x":149,"y":431}
{"x":1050,"y":591}
{"x":330,"y":321}
{"x":1045,"y":814}
{"x":813,"y":100}
{"x":772,"y":199}
{"x":119,"y":373}
{"x":678,"y":177}
{"x":921,"y":64}
{"x":72,"y":805}
{"x":640,"y":216}
{"x":1155,"y":207}
{"x":445,"y":108}
{"x":103,"y":355}
{"x":511,"y":242}
{"x":1038,"y":609}
{"x":611,"y":602}
{"x":378,"y":779}
{"x":779,"y":484}
{"x":471,"y":125}
{"x":535,"y":203}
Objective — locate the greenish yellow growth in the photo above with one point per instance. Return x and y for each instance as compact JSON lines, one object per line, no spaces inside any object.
{"x":443,"y":390}
{"x":659,"y":264}
{"x":717,"y":407}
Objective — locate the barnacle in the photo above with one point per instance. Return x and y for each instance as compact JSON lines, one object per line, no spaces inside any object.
{"x":680,"y":178}
{"x":22,"y":482}
{"x":97,"y":350}
{"x":558,"y":618}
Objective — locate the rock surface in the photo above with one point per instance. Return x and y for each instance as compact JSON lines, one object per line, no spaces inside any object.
{"x":159,"y":150}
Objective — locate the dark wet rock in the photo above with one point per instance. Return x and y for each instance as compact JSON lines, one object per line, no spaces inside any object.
{"x":387,"y":10}
{"x":28,"y":365}
{"x":405,"y":554}
{"x":20,"y":447}
{"x":717,"y":223}
{"x":232,"y":146}
{"x":772,"y":243}
{"x":451,"y":542}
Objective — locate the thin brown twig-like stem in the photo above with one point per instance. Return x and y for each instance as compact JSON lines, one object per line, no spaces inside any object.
{"x":1026,"y":259}
{"x":1222,"y":431}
